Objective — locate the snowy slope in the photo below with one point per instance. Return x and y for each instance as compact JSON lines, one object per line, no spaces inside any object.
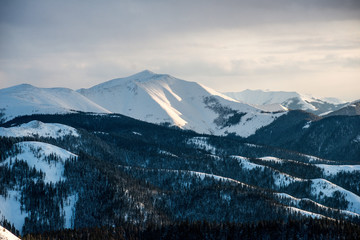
{"x":297,"y":202}
{"x":40,"y":129}
{"x":335,"y":169}
{"x":280,"y":179}
{"x":6,"y":235}
{"x":161,"y":98}
{"x":35,"y":154}
{"x":323,"y":188}
{"x":290,"y":100}
{"x":26,"y":99}
{"x":40,"y":156}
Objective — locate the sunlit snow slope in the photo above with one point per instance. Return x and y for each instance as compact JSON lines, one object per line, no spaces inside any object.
{"x":161,"y":98}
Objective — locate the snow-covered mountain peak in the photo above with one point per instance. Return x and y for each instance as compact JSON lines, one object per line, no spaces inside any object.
{"x":25,"y":99}
{"x":161,"y":98}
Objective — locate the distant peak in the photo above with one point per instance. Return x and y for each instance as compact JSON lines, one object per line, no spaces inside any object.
{"x":146,"y":71}
{"x":23,"y":86}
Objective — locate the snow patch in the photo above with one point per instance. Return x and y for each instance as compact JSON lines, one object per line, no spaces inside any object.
{"x":307,"y":125}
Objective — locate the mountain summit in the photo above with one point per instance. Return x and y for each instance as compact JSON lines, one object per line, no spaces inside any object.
{"x":161,"y":98}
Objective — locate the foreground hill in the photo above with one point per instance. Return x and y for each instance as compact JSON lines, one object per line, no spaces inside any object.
{"x":111,"y":170}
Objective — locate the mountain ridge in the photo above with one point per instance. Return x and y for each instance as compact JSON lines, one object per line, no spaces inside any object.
{"x":291,"y":100}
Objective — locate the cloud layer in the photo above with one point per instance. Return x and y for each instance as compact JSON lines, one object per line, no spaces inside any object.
{"x":306,"y":46}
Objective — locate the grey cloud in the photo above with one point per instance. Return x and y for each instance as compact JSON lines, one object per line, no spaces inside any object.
{"x":46,"y":40}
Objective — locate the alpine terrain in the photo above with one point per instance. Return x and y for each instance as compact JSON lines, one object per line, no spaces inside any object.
{"x":151,"y":156}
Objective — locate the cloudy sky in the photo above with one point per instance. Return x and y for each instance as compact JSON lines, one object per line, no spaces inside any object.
{"x":309,"y":46}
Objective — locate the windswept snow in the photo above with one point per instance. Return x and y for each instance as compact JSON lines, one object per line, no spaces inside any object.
{"x":7,"y":235}
{"x":35,"y":154}
{"x":40,"y":129}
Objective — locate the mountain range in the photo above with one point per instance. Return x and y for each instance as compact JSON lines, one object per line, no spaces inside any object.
{"x":151,"y":151}
{"x":163,"y":99}
{"x":290,"y":100}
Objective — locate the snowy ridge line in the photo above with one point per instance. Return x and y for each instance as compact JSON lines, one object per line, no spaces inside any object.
{"x":321,"y":187}
{"x":335,"y":169}
{"x":202,"y":175}
{"x":26,"y":99}
{"x":307,"y":213}
{"x":281,"y":179}
{"x":296,"y":201}
{"x":292,"y":100}
{"x":39,"y":129}
{"x":166,"y":153}
{"x":220,"y":178}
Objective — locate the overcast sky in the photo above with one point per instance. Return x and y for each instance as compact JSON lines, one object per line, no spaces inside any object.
{"x":309,"y":46}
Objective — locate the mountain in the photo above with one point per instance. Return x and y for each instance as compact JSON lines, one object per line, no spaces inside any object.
{"x":161,"y":98}
{"x":26,"y":99}
{"x":351,"y":109}
{"x":290,"y":100}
